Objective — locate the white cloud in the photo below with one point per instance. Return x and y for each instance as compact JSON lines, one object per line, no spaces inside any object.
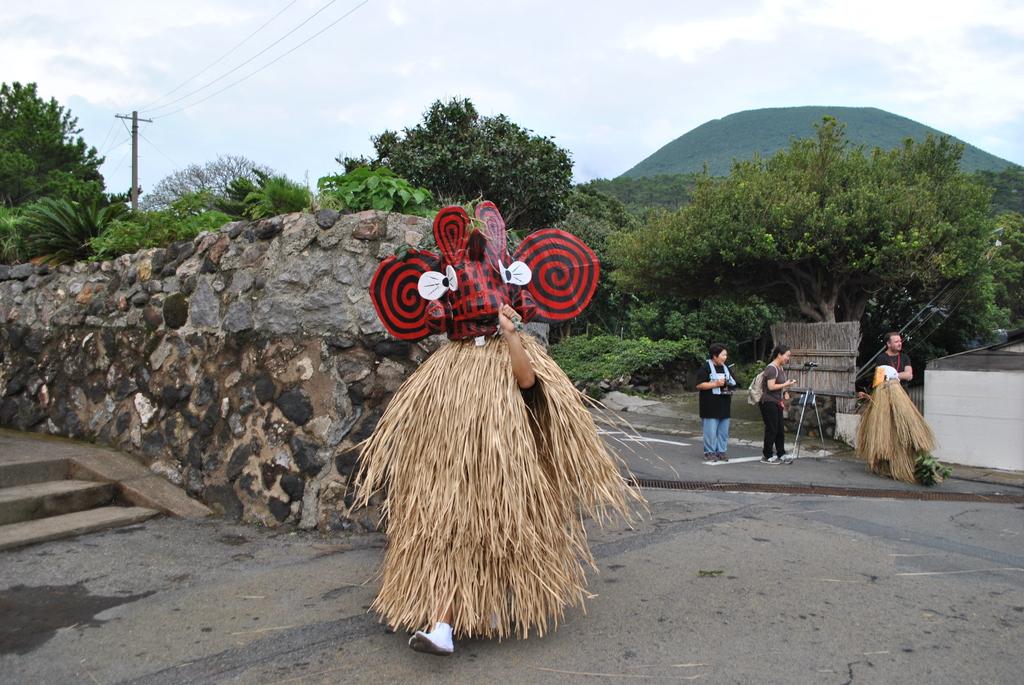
{"x":612,"y":83}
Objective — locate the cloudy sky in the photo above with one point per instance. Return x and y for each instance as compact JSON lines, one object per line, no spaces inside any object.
{"x":610,"y":81}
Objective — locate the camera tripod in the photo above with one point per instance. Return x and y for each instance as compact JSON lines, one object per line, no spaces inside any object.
{"x":808,"y":398}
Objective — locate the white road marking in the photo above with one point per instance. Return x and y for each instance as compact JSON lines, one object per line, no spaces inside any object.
{"x":640,"y":438}
{"x":732,"y":460}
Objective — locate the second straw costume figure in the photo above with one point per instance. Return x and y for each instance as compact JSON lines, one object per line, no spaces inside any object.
{"x":892,"y":432}
{"x":486,"y":486}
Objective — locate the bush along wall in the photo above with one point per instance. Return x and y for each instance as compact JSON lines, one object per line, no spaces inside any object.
{"x":242,"y":365}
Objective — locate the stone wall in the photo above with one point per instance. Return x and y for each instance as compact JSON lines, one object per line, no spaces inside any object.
{"x":242,"y":365}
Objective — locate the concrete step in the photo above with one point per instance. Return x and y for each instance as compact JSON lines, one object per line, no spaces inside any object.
{"x":25,"y":470}
{"x":69,"y":525}
{"x":52,"y":498}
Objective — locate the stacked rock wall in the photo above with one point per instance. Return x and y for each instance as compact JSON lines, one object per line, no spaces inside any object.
{"x":242,"y":365}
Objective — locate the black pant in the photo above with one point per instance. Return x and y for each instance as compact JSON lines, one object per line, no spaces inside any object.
{"x":774,"y":429}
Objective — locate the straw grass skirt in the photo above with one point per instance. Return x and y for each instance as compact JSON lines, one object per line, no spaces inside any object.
{"x":485,"y":495}
{"x":892,"y":433}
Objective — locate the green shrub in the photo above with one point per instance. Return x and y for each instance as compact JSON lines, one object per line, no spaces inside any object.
{"x":153,"y":229}
{"x":930,"y":471}
{"x":590,"y":359}
{"x":59,"y":231}
{"x":12,"y":243}
{"x":366,"y":188}
{"x":276,"y":195}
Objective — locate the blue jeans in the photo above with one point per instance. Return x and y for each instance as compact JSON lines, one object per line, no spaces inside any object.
{"x":716,"y":435}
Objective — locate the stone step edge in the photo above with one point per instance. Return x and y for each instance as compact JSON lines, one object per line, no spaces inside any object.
{"x":23,"y":503}
{"x":50,"y":488}
{"x":15,"y":472}
{"x":70,"y":525}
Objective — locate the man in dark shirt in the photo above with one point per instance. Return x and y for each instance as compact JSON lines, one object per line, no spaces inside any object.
{"x":893,"y":356}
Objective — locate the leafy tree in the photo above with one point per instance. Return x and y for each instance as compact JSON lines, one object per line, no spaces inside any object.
{"x":638,"y":194}
{"x":820,"y":225}
{"x":605,"y":357}
{"x":215,"y":178}
{"x":593,"y":216}
{"x":59,"y":231}
{"x":459,"y":155}
{"x":1008,"y":267}
{"x":1007,"y":189}
{"x":41,"y":151}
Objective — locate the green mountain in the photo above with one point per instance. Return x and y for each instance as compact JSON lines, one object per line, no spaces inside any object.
{"x":765,"y":131}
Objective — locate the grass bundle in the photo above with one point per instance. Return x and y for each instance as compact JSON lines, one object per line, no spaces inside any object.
{"x":892,"y":433}
{"x":485,"y":496}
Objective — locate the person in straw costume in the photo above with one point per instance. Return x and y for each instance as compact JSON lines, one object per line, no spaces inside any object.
{"x":487,"y":455}
{"x":892,"y":432}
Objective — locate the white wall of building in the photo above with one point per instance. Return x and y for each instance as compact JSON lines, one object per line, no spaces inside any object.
{"x":977,"y":417}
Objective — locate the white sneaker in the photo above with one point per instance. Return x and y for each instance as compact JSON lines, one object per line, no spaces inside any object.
{"x":438,"y":641}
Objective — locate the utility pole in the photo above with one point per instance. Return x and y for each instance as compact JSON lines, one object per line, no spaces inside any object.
{"x":135,"y":155}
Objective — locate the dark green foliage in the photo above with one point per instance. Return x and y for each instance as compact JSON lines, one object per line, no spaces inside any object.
{"x":12,"y":244}
{"x":638,"y":194}
{"x":276,"y":195}
{"x":41,"y":151}
{"x":1007,"y":189}
{"x":1007,"y":267}
{"x":460,"y":155}
{"x":59,"y":231}
{"x":763,"y":132}
{"x":735,"y":324}
{"x":821,"y":226}
{"x":366,"y":188}
{"x":154,"y":229}
{"x":587,"y":359}
{"x":963,"y":318}
{"x":232,"y":202}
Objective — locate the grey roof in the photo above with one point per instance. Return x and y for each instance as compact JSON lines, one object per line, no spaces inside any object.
{"x":1003,"y":356}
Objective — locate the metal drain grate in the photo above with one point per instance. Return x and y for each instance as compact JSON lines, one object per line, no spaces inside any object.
{"x":995,"y":498}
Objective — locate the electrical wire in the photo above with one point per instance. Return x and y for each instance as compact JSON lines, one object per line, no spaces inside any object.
{"x":273,"y":61}
{"x":106,"y":138}
{"x":119,"y":164}
{"x":217,"y":61}
{"x":166,"y":156}
{"x":114,"y":147}
{"x":236,"y":68}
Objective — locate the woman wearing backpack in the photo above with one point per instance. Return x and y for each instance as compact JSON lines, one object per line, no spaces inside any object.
{"x":772,"y":403}
{"x":716,"y":385}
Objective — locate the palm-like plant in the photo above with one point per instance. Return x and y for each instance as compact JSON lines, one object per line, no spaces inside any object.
{"x":57,"y":231}
{"x":276,"y":195}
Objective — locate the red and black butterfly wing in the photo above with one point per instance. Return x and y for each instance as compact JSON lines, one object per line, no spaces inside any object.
{"x":450,"y":233}
{"x":494,"y":228}
{"x":565,"y":273}
{"x":394,"y":293}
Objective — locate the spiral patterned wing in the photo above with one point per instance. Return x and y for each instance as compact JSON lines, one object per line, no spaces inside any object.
{"x":565,"y":273}
{"x":396,"y":298}
{"x":450,"y":233}
{"x":497,"y":239}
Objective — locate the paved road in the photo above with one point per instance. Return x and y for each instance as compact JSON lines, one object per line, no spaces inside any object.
{"x":710,"y":587}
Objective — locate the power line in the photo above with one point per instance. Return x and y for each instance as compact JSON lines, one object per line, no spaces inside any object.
{"x":218,"y":60}
{"x":106,"y":138}
{"x":236,"y":68}
{"x":166,"y":156}
{"x":118,"y":167}
{"x":273,"y":61}
{"x":114,"y":147}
